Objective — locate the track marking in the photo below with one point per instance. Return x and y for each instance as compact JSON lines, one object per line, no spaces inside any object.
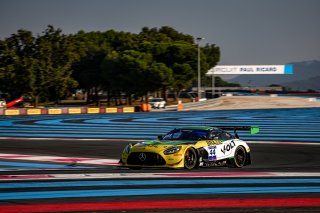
{"x":9,"y":165}
{"x":156,"y":182}
{"x":156,"y":191}
{"x":164,"y":204}
{"x":300,"y":125}
{"x":58,"y":159}
{"x":154,"y":175}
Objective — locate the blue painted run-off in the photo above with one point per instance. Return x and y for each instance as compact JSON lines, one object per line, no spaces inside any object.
{"x":189,"y":182}
{"x":156,"y":191}
{"x":301,"y":124}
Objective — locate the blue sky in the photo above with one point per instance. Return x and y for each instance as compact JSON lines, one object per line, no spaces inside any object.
{"x":247,"y":31}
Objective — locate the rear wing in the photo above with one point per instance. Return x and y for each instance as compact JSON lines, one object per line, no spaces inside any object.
{"x":253,"y":129}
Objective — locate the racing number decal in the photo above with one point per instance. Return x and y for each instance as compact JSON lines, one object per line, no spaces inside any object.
{"x":212,"y":153}
{"x":228,"y":147}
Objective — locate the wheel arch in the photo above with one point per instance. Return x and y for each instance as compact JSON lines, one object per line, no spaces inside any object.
{"x":196,"y":156}
{"x":232,"y":161}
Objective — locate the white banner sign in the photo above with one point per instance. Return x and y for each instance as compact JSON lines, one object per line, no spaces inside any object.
{"x":251,"y":69}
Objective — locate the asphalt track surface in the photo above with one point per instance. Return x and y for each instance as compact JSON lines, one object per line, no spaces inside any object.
{"x":284,"y":175}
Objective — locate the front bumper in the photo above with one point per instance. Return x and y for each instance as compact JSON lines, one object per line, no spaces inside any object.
{"x":151,"y":159}
{"x":145,"y":159}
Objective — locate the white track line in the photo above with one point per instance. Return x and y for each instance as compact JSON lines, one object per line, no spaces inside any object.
{"x":154,"y":175}
{"x":58,"y":159}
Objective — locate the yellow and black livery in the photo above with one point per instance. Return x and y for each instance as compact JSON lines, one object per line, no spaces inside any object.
{"x":190,"y":147}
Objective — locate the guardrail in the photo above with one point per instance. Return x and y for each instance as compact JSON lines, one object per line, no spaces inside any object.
{"x":99,"y":110}
{"x":65,"y":110}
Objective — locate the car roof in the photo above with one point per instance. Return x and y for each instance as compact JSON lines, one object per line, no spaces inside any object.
{"x":196,"y":128}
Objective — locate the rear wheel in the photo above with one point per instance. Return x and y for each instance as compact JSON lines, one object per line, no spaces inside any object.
{"x":190,"y":158}
{"x":239,"y":159}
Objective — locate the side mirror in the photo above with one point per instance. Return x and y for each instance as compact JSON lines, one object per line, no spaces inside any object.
{"x":236,"y":134}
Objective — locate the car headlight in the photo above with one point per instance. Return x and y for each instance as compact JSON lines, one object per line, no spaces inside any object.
{"x":172,"y":150}
{"x":127,"y":148}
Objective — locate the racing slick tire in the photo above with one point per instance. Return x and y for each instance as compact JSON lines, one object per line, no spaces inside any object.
{"x":239,"y":159}
{"x":190,"y":159}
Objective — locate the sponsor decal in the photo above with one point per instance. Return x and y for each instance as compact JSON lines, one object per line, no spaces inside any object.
{"x":33,"y":111}
{"x":93,"y":110}
{"x":251,"y":69}
{"x":74,"y":110}
{"x":128,"y":109}
{"x":213,"y":142}
{"x":12,"y":112}
{"x":227,"y":147}
{"x":54,"y":111}
{"x":111,"y":110}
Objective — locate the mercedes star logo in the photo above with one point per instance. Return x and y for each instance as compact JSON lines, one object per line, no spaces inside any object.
{"x":142,"y":156}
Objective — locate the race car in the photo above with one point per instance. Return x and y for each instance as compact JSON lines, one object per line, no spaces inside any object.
{"x":190,"y":147}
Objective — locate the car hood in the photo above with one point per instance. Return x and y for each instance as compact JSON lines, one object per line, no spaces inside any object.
{"x":155,"y":145}
{"x":168,"y":142}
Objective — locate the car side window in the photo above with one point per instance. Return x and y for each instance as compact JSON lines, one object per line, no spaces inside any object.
{"x":167,"y":136}
{"x":225,"y":136}
{"x":214,"y":135}
{"x":174,"y":134}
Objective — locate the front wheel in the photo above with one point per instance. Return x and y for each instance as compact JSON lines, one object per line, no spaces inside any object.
{"x":239,"y":159}
{"x":190,"y":158}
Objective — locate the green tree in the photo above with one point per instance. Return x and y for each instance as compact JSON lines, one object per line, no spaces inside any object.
{"x":183,"y":77}
{"x":55,"y":53}
{"x":181,"y":57}
{"x":135,"y":73}
{"x":46,"y":67}
{"x":162,"y":78}
{"x":209,"y":58}
{"x":179,"y":53}
{"x":164,"y":34}
{"x":93,"y":47}
{"x":212,"y":54}
{"x":17,"y":63}
{"x":37,"y":67}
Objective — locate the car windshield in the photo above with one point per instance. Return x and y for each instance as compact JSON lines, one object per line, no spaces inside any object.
{"x":186,"y":134}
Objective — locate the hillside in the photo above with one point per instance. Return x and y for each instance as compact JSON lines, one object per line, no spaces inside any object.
{"x":311,"y":83}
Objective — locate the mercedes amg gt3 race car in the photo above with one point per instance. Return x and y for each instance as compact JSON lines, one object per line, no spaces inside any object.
{"x":191,"y":147}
